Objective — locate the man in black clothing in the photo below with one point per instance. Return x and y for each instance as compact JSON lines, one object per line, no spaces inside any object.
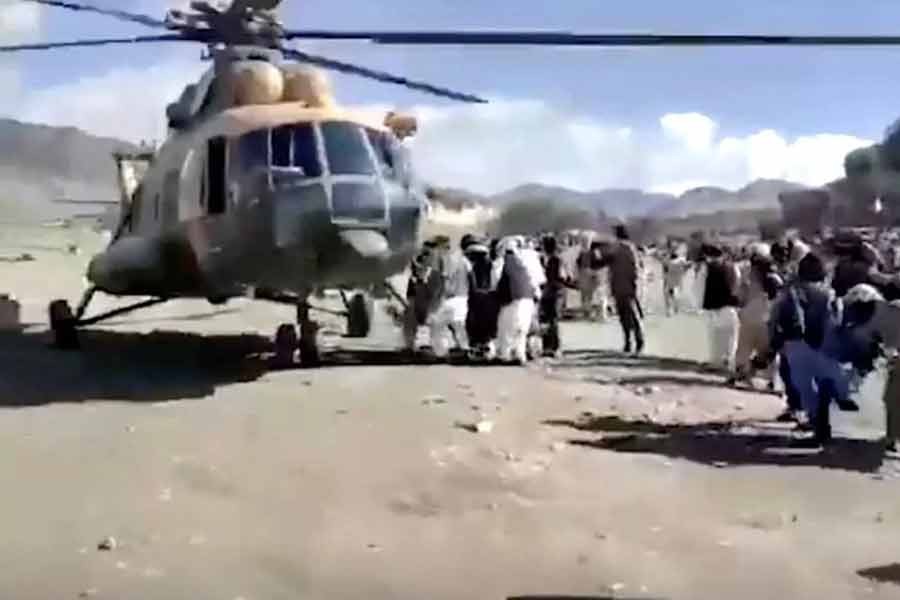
{"x":553,"y":296}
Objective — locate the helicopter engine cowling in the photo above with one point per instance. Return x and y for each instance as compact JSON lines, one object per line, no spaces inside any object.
{"x":307,"y":85}
{"x":255,"y":82}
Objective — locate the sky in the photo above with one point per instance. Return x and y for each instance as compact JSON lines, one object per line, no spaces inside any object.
{"x":656,"y":118}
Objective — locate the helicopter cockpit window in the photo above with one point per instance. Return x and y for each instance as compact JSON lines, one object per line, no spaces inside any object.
{"x":345,"y":147}
{"x":294,"y":147}
{"x":306,"y":153}
{"x":382,"y":144}
{"x":253,"y":150}
{"x":281,"y":147}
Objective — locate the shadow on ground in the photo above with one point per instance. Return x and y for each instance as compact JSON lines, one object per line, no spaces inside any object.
{"x":614,"y":368}
{"x":147,"y":367}
{"x":884,"y":574}
{"x":125,"y":366}
{"x":721,"y":444}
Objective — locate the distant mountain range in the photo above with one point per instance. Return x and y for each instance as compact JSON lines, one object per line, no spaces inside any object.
{"x":39,"y":163}
{"x":630,"y":203}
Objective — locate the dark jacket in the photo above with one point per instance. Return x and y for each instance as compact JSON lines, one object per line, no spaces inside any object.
{"x":848,"y":273}
{"x":515,"y":282}
{"x":721,"y":285}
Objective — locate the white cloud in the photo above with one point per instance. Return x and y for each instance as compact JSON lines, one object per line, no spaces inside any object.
{"x":490,"y":148}
{"x":127,"y":103}
{"x":693,"y":130}
{"x":509,"y":142}
{"x":18,"y":20}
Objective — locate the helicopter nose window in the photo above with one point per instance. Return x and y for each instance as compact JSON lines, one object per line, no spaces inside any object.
{"x":345,"y":147}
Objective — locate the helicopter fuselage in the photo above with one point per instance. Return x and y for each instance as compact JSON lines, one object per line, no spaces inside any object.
{"x":276,"y":197}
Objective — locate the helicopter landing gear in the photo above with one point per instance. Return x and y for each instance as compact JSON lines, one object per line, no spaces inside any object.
{"x":286,"y":342}
{"x":64,"y":325}
{"x":309,"y":332}
{"x":360,"y":309}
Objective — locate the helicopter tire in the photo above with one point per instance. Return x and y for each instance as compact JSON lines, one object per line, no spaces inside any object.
{"x":359,"y":316}
{"x":63,"y":325}
{"x":309,"y":347}
{"x":285,"y":345}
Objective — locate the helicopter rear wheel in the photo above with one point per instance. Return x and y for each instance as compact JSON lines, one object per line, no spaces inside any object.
{"x":63,"y":324}
{"x":285,"y":345}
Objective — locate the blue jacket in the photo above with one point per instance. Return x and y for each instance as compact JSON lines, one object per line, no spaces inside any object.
{"x":805,"y":311}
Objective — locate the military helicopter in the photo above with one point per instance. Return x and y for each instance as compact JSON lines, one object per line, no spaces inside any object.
{"x":265,"y":187}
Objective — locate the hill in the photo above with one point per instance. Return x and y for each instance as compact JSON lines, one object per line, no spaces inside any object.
{"x":39,"y":163}
{"x":761,"y":194}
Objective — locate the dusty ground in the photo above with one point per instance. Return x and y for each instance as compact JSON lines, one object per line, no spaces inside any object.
{"x":221,"y":479}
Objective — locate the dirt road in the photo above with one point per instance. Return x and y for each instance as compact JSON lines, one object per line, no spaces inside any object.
{"x":220,"y":479}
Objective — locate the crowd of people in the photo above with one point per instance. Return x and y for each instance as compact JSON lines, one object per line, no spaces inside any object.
{"x":503,"y":299}
{"x":800,"y":312}
{"x":816,"y":316}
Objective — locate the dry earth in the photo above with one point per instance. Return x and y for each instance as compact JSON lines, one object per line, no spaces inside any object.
{"x":221,"y":479}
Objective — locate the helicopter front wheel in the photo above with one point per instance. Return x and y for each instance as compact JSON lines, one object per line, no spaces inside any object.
{"x":359,"y":316}
{"x":63,"y":325}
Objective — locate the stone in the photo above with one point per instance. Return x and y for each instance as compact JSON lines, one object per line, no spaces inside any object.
{"x":600,"y":536}
{"x":656,"y":529}
{"x":484,"y":426}
{"x":434,"y":399}
{"x":617,"y":587}
{"x":725,"y":544}
{"x":558,"y":446}
{"x":88,"y":593}
{"x":165,"y":495}
{"x":197,"y":540}
{"x":122,"y":565}
{"x":131,"y":429}
{"x":107,"y":544}
{"x":720,"y":464}
{"x":879,"y":518}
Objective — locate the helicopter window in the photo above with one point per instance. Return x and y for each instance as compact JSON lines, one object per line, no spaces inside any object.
{"x":281,"y":147}
{"x":216,"y":176}
{"x":253,"y":150}
{"x":306,"y":153}
{"x":381,"y":143}
{"x":346,"y":149}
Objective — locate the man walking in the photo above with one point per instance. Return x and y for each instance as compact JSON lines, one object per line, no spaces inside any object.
{"x":623,"y":262}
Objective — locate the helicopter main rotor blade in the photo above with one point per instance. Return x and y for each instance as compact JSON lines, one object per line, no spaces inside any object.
{"x":342,"y":67}
{"x":110,"y":12}
{"x":173,"y":37}
{"x":564,"y":38}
